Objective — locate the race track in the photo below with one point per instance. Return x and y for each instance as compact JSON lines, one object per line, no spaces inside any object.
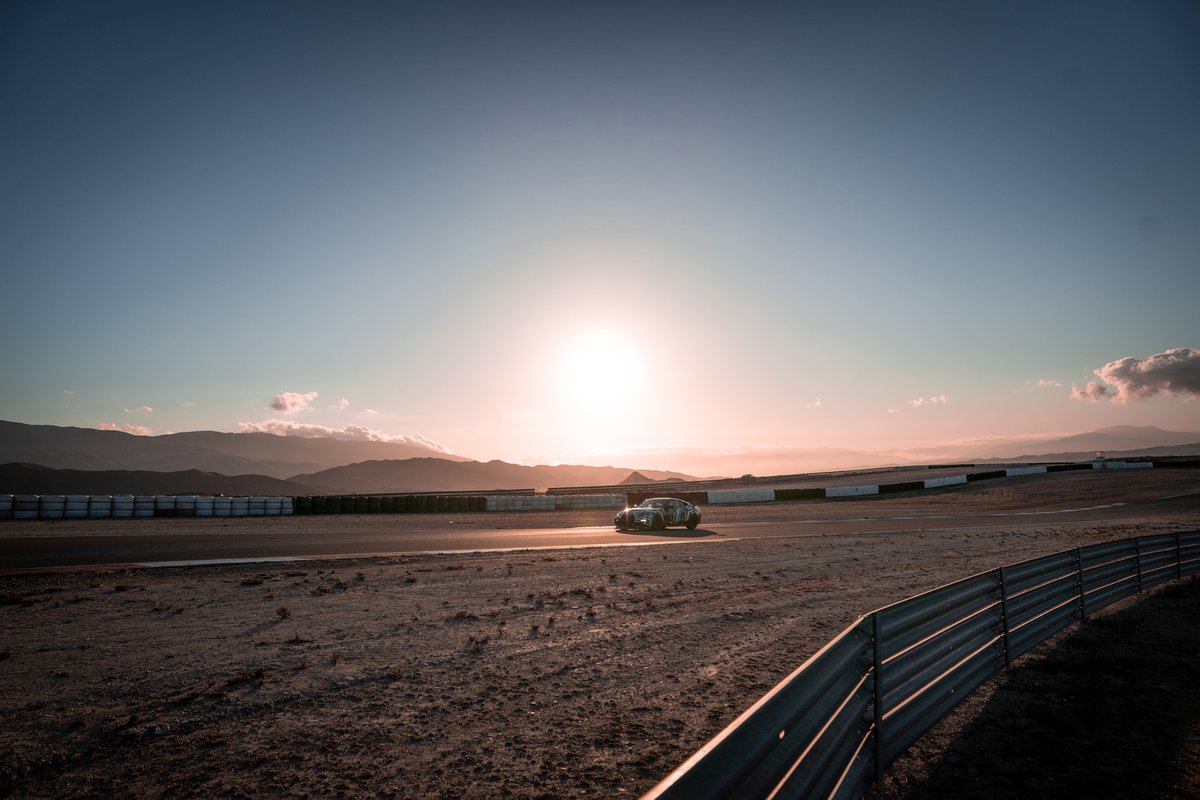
{"x":45,"y":546}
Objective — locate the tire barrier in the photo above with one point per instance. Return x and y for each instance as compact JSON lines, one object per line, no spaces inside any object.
{"x":143,"y":506}
{"x":384,"y":504}
{"x":520,"y":502}
{"x":125,"y":506}
{"x":25,"y":506}
{"x":77,"y":506}
{"x":578,"y":502}
{"x":105,"y":506}
{"x":52,"y":506}
{"x":164,"y":505}
{"x":204,"y":506}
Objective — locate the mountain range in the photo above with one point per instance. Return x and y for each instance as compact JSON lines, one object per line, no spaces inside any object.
{"x":61,"y":460}
{"x":48,"y":459}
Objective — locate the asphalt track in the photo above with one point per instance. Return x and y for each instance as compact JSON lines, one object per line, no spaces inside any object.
{"x":42,"y":547}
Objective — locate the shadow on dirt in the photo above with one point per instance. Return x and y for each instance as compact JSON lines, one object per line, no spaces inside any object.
{"x":1108,"y":711}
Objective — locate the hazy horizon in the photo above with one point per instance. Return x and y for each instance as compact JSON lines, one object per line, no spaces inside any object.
{"x":549,"y":234}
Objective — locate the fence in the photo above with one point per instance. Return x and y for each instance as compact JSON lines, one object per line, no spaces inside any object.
{"x":831,"y":727}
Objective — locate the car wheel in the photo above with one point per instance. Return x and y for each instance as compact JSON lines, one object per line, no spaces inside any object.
{"x":660,"y":523}
{"x":692,"y":523}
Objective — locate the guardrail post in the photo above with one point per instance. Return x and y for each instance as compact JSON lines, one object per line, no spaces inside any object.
{"x":1004,"y":614}
{"x":877,"y":690}
{"x":1137,"y":551}
{"x":1082,"y":593}
{"x":1178,"y":558}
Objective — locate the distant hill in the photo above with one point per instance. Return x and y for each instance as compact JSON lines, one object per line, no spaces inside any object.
{"x":1167,"y":451}
{"x":1127,"y":439}
{"x":209,"y":451}
{"x":429,"y":474}
{"x":37,"y":479}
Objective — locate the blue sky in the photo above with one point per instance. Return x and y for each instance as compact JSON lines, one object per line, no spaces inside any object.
{"x":872,"y":225}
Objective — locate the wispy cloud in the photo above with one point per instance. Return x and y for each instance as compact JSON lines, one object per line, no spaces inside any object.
{"x":815,"y":404}
{"x":140,"y":409}
{"x":292,"y":402}
{"x":68,"y":391}
{"x":1173,"y":372}
{"x":353,"y":433}
{"x":1045,"y":383}
{"x":342,"y":405}
{"x":136,"y":430}
{"x":924,"y":401}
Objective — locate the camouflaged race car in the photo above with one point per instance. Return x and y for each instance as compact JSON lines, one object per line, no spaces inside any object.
{"x":657,"y":513}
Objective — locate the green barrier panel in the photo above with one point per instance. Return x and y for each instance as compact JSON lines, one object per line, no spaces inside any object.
{"x":443,"y":505}
{"x":374,"y":505}
{"x":318,"y":504}
{"x":422,"y":504}
{"x":387,"y":505}
{"x":361,"y":505}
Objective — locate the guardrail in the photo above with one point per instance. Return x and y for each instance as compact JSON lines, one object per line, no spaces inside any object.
{"x":831,"y":727}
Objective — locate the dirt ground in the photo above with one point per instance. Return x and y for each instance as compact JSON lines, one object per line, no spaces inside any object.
{"x":530,"y":674}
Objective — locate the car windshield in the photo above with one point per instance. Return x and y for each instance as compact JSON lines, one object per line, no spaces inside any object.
{"x":653,"y":504}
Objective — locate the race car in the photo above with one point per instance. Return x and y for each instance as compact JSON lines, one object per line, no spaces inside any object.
{"x":657,"y":513}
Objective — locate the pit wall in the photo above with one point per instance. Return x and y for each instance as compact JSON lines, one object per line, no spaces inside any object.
{"x":128,"y":506}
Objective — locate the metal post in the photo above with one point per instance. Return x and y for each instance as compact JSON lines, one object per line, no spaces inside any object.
{"x":1137,"y":549}
{"x":1004,"y":614}
{"x":1178,"y":558}
{"x":1082,"y":594}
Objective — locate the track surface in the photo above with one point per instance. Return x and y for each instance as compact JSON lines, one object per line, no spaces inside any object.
{"x":66,"y":545}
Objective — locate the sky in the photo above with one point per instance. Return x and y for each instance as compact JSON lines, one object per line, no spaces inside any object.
{"x":602,"y":233}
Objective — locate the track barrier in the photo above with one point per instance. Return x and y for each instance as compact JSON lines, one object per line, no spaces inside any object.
{"x":830,"y":728}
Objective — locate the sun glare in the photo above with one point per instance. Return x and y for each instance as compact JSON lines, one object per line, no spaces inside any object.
{"x":593,"y":371}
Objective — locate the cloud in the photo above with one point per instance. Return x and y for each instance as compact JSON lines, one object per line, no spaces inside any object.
{"x":142,"y":409}
{"x":291,"y":402}
{"x":1046,"y":383}
{"x":921,"y":401}
{"x":815,"y":404}
{"x":136,"y":430}
{"x":342,"y":405}
{"x":350,"y":433}
{"x":1174,"y":372}
{"x":68,"y":391}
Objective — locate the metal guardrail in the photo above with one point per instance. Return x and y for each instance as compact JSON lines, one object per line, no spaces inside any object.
{"x":831,"y":727}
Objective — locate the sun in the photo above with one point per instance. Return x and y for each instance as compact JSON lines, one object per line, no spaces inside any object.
{"x":594,"y":367}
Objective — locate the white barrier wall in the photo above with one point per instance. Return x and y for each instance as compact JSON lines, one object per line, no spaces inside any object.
{"x":1018,"y":471}
{"x":937,"y":483}
{"x":741,"y":496}
{"x":1122,"y":465}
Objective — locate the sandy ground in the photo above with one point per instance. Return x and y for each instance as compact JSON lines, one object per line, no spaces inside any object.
{"x":536,"y":674}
